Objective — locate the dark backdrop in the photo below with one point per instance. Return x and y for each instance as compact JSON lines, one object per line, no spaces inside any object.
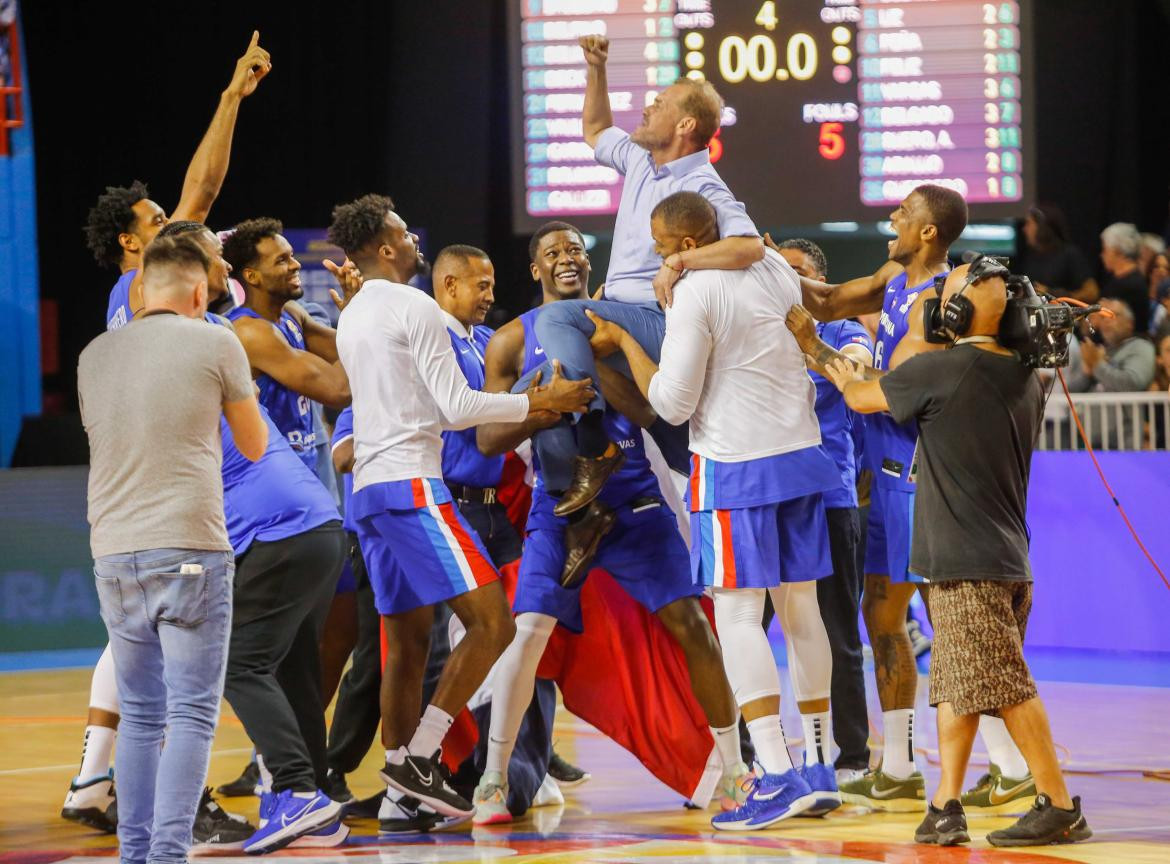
{"x":411,"y":99}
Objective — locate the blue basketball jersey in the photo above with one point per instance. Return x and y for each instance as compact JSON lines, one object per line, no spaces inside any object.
{"x":633,"y":480}
{"x":290,"y":411}
{"x":837,"y":421}
{"x":118,"y":311}
{"x":462,"y":462}
{"x":343,"y":429}
{"x":890,"y":447}
{"x":273,"y":498}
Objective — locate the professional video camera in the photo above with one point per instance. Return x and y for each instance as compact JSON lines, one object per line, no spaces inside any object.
{"x":1037,"y":328}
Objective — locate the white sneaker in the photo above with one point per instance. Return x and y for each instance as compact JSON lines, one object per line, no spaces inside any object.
{"x":92,"y":803}
{"x":491,"y":800}
{"x":549,"y":793}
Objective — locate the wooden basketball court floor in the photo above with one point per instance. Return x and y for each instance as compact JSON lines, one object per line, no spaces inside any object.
{"x":1108,"y":735}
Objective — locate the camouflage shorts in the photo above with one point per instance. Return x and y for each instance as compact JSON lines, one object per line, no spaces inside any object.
{"x":977,"y":662}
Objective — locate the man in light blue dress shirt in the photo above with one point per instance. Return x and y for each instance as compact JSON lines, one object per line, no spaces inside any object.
{"x":667,"y":153}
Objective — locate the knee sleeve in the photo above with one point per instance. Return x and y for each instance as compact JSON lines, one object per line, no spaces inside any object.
{"x":747,"y":655}
{"x":103,"y":688}
{"x":810,"y":658}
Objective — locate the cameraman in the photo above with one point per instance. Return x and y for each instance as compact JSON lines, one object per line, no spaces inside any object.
{"x":970,"y":543}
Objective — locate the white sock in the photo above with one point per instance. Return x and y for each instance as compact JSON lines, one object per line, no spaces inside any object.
{"x":818,"y":741}
{"x":265,"y":774}
{"x":898,"y":753}
{"x":431,"y":731}
{"x":767,"y":735}
{"x":95,"y":752}
{"x":396,"y":756}
{"x":1001,"y":749}
{"x":513,"y":684}
{"x":305,"y":795}
{"x":727,"y":742}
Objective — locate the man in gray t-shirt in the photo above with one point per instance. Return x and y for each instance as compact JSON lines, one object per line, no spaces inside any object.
{"x":152,"y":394}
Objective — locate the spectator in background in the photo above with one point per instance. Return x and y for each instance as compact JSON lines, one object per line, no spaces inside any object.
{"x":1121,"y":247}
{"x":1161,"y":381}
{"x":1152,"y":246}
{"x":1050,"y":260}
{"x":1158,"y":277}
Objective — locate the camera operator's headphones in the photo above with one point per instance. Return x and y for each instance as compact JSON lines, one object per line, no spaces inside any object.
{"x":956,"y":315}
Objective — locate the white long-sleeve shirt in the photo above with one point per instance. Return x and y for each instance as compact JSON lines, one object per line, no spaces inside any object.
{"x":730,"y":365}
{"x":406,"y":384}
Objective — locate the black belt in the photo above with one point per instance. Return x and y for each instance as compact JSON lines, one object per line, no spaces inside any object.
{"x":472,"y":494}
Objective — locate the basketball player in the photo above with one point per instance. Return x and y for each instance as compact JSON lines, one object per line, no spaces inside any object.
{"x":124,"y":219}
{"x":294,"y":357}
{"x":420,"y":551}
{"x":730,"y":367}
{"x":637,"y":541}
{"x":839,"y":596}
{"x":926,"y":223}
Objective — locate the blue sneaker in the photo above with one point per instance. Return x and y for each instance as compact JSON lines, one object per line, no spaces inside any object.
{"x":285,"y":817}
{"x":823,"y":781}
{"x":333,"y":834}
{"x":773,"y":797}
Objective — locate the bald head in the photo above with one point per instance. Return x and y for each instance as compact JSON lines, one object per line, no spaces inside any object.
{"x":174,"y":276}
{"x":988,"y":295}
{"x":464,"y":282}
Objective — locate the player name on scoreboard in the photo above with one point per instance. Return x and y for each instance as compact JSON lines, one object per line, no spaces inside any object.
{"x":560,"y":174}
{"x":939,"y":88}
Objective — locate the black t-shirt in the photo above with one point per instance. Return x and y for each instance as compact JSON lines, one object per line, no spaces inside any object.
{"x":1061,"y":271}
{"x":978,"y":417}
{"x":1133,"y":290}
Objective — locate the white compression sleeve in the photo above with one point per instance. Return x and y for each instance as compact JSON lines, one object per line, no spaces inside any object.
{"x":747,"y":656}
{"x":103,"y":688}
{"x":515,"y":678}
{"x":810,"y":659}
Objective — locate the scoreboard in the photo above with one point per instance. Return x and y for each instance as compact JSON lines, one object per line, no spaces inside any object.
{"x":835,"y":109}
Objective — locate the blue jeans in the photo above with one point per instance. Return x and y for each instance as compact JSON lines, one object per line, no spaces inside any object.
{"x":564,"y":330}
{"x":169,"y":634}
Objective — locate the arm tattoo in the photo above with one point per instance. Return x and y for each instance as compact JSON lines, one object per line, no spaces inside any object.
{"x":822,"y":355}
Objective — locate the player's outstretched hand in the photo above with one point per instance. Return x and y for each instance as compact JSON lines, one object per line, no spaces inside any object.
{"x":596,"y":49}
{"x":561,"y":395}
{"x":543,"y":419}
{"x":803,"y":326}
{"x":349,"y":280}
{"x":254,"y":65}
{"x":841,"y":371}
{"x":607,"y":336}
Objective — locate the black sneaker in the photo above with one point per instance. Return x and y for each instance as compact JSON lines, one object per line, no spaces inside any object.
{"x":946,"y":827}
{"x":565,"y":773}
{"x":1044,"y":825}
{"x":336,"y":788}
{"x":214,"y":826}
{"x":423,"y":779}
{"x":246,"y":784}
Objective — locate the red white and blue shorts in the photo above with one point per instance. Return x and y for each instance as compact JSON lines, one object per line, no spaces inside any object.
{"x":424,"y":554}
{"x":763,"y":546}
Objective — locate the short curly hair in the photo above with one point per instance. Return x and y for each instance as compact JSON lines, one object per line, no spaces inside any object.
{"x":239,"y":249}
{"x":357,"y":223}
{"x":548,"y":228}
{"x":113,"y":214}
{"x":812,"y":250}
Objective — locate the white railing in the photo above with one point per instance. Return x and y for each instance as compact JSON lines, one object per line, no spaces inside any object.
{"x":1112,"y":421}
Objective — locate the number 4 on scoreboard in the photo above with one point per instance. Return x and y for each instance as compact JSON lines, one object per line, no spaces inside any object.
{"x":767,"y":16}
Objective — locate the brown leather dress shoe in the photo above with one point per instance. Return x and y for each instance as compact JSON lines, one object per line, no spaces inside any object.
{"x":581,"y":541}
{"x":589,"y":476}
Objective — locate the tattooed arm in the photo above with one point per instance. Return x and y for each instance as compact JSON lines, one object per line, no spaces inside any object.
{"x":819,"y":353}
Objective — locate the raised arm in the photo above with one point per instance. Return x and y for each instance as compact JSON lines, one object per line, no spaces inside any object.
{"x":596,"y":115}
{"x":209,"y":165}
{"x":501,"y":372}
{"x":818,"y":353}
{"x":320,"y":339}
{"x":301,"y":371}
